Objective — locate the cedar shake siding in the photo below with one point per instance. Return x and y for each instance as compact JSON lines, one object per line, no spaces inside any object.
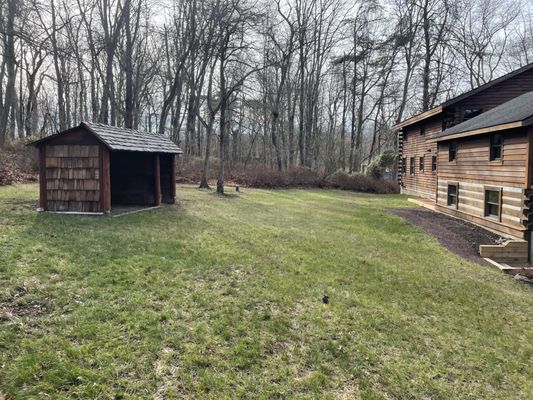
{"x":72,"y":177}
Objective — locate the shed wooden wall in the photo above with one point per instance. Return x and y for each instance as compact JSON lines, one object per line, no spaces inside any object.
{"x":72,"y":177}
{"x":423,"y":184}
{"x":474,"y":172}
{"x":71,"y":167}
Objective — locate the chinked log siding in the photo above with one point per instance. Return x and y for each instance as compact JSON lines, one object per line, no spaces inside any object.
{"x":475,"y":173}
{"x":415,"y":145}
{"x":421,"y":183}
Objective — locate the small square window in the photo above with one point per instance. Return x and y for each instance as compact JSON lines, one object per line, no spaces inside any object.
{"x":421,"y":164}
{"x":492,"y":203}
{"x":433,"y":163}
{"x":452,"y":195}
{"x":412,"y":166}
{"x":496,"y":142}
{"x":452,"y":151}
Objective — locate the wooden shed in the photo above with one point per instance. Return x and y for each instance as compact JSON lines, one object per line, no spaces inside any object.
{"x":92,"y":168}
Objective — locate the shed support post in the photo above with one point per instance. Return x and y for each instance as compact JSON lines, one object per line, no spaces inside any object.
{"x":173,"y":178}
{"x":157,"y":183}
{"x":42,"y":178}
{"x":105,"y":176}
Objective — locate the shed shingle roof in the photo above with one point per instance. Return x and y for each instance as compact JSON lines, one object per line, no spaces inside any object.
{"x":518,"y":109}
{"x":123,"y":139}
{"x":131,"y":140}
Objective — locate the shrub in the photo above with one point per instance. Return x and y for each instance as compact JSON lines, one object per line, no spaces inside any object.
{"x":377,"y":167}
{"x":361,"y":183}
{"x":261,"y":176}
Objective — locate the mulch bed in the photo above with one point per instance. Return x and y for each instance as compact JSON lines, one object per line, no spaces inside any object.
{"x":460,"y":237}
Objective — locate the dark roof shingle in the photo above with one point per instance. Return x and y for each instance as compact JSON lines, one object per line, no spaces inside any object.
{"x":515,"y":110}
{"x":131,"y":140}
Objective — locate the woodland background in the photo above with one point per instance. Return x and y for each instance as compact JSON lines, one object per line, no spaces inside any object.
{"x":244,"y":85}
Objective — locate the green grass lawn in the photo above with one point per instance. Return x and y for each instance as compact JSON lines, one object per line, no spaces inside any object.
{"x":221,"y":297}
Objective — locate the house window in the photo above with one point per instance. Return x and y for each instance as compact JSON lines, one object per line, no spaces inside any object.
{"x":423,"y":130}
{"x":452,"y":151}
{"x":412,"y":166}
{"x":452,"y":195}
{"x":433,"y":163}
{"x":492,"y":203}
{"x":404,"y":166}
{"x":421,"y":164}
{"x":469,"y":113}
{"x":448,"y":119}
{"x":496,"y":142}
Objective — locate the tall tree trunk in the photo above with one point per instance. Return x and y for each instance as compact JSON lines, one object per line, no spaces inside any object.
{"x":204,"y":183}
{"x":10,"y":99}
{"x":223,"y":123}
{"x":128,"y":71}
{"x":342,"y":153}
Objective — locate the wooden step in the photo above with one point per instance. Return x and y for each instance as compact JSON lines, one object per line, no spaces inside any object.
{"x":510,"y":269}
{"x":512,"y":251}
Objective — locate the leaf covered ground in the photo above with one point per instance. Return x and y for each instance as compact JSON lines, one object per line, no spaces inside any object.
{"x":221,"y":297}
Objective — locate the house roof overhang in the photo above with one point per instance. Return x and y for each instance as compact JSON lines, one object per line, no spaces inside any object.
{"x":418,"y":118}
{"x":436,"y":110}
{"x":481,"y":131}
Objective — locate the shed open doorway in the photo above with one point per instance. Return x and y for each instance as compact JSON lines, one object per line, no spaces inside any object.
{"x":132,"y":179}
{"x":141,"y":179}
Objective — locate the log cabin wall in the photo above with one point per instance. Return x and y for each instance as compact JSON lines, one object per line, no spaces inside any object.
{"x":412,"y":144}
{"x":422,"y":183}
{"x":474,"y":173}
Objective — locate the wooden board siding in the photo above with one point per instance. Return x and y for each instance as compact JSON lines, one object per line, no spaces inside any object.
{"x":474,"y":173}
{"x":495,"y":95}
{"x":72,"y":178}
{"x":414,"y":144}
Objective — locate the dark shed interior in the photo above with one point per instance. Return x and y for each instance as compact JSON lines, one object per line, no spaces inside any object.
{"x":168,"y":177}
{"x":132,"y":178}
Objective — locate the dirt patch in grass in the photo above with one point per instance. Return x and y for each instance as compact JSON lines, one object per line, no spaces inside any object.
{"x":460,"y":237}
{"x":17,"y":305}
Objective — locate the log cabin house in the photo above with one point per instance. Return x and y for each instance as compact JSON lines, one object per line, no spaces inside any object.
{"x":91,"y":168}
{"x":472,"y":156}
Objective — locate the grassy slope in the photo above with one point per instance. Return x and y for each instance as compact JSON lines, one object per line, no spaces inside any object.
{"x":221,"y":298}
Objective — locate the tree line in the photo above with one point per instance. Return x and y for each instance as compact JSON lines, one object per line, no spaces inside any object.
{"x":283,"y":83}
